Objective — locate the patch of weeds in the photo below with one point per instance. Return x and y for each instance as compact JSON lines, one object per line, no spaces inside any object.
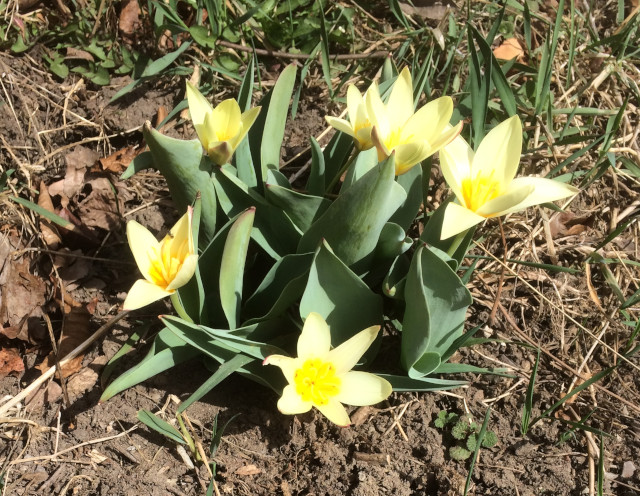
{"x":464,"y":431}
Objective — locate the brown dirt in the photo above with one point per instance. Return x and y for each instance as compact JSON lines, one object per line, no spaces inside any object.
{"x":394,"y":449}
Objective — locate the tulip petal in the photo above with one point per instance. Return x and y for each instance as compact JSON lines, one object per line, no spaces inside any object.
{"x":315,"y":339}
{"x":142,"y":244}
{"x":429,"y":121}
{"x":340,"y":125}
{"x":455,"y":163}
{"x":400,"y":104}
{"x":410,"y":154}
{"x":348,"y":354}
{"x":185,"y":273}
{"x":377,"y":113}
{"x":287,"y":364}
{"x":227,"y":119}
{"x":499,"y":151}
{"x":199,"y":106}
{"x":182,"y":235}
{"x":247,"y":119}
{"x":362,"y":388}
{"x":335,"y":412}
{"x":447,"y":136}
{"x":355,"y":103}
{"x":142,"y":293}
{"x":505,"y":202}
{"x":291,"y":403}
{"x":544,"y":190}
{"x":458,"y":219}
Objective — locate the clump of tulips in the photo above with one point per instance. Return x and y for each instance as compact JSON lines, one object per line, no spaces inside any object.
{"x":264,"y":274}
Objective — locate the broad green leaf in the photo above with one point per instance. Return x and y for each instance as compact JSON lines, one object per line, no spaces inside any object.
{"x":187,"y":171}
{"x":302,"y":209}
{"x":167,"y":350}
{"x":242,"y":157}
{"x":412,"y":184}
{"x":395,"y":280}
{"x":336,"y":154}
{"x":436,"y":304}
{"x":224,"y":370}
{"x":274,"y":232}
{"x":232,"y":267}
{"x":140,"y":162}
{"x":316,"y":181}
{"x":364,"y":162}
{"x":281,"y":287}
{"x":162,"y":426}
{"x":128,"y":345}
{"x":353,"y":222}
{"x":339,"y":296}
{"x":276,"y":119}
{"x":404,"y":383}
{"x":163,"y":62}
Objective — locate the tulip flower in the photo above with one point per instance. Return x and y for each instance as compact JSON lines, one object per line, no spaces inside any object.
{"x":483,"y":182}
{"x":358,"y":126}
{"x":166,"y":265}
{"x":322,"y":377}
{"x":412,"y":136}
{"x":219,"y":129}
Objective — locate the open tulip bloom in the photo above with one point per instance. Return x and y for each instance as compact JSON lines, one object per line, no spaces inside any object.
{"x":484,"y":182}
{"x":323,"y":378}
{"x":358,"y":126}
{"x":166,"y":265}
{"x":219,"y":129}
{"x":412,"y":136}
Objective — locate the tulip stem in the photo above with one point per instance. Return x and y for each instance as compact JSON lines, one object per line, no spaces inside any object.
{"x":342,"y":171}
{"x":177,"y":305}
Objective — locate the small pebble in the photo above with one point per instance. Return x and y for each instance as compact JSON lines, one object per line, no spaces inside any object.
{"x":628,"y":469}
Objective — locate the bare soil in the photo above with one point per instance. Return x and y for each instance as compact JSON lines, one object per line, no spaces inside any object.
{"x":86,"y":447}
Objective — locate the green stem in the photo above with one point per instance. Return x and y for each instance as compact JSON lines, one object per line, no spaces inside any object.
{"x":177,"y":304}
{"x":337,"y":177}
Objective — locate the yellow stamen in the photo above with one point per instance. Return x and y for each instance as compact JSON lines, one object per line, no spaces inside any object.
{"x":316,"y":381}
{"x":479,"y":190}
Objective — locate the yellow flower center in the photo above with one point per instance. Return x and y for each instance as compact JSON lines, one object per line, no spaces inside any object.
{"x":166,"y":263}
{"x":316,"y":381}
{"x":479,"y":190}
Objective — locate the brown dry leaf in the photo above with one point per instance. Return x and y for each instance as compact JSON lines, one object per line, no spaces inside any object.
{"x":129,"y":20}
{"x":74,"y":332}
{"x":48,"y":231}
{"x":78,"y":162}
{"x":117,"y":162}
{"x":86,"y":378}
{"x":22,"y":297}
{"x":72,"y":270}
{"x":74,"y":53}
{"x":44,"y":396}
{"x":568,"y":224}
{"x":248,"y":470}
{"x":427,"y":9}
{"x":10,"y":362}
{"x":101,"y":207}
{"x":510,"y":49}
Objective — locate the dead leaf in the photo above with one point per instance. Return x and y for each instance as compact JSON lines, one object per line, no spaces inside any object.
{"x":86,"y":378}
{"x":74,"y":332}
{"x":74,"y":53}
{"x":78,"y":162}
{"x":248,"y":470}
{"x":10,"y":362}
{"x":510,"y":49}
{"x":22,"y":296}
{"x":129,"y":22}
{"x":44,"y":396}
{"x":101,"y":207}
{"x":568,"y":224}
{"x":48,"y":231}
{"x":71,"y":269}
{"x":427,"y":9}
{"x":117,"y":162}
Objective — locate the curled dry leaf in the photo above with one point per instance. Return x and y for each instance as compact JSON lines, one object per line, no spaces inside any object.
{"x":117,"y":162}
{"x":510,"y":49}
{"x":10,"y":362}
{"x":101,"y":207}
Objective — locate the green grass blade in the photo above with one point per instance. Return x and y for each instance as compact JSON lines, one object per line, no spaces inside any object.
{"x":56,"y":219}
{"x":474,"y":457}
{"x":528,"y":399}
{"x":157,"y":424}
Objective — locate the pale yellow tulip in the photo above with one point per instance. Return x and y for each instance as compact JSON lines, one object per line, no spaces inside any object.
{"x":483,"y":182}
{"x":358,"y":126}
{"x":413,"y":136}
{"x":219,"y":129}
{"x":166,"y":265}
{"x":321,"y":377}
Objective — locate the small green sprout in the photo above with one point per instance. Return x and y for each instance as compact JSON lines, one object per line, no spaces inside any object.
{"x":465,"y":432}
